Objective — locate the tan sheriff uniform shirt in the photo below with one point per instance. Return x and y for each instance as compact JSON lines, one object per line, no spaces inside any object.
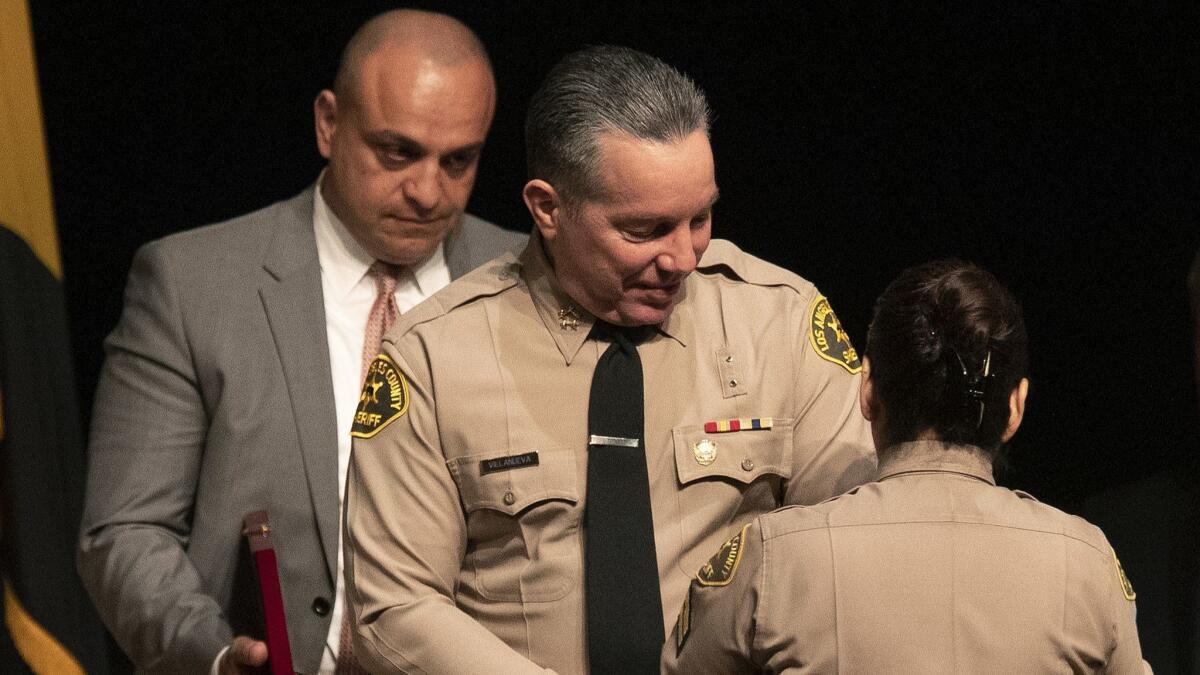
{"x":464,"y":548}
{"x":932,"y":569}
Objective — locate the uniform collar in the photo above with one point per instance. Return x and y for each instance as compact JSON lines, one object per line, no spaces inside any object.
{"x":680,"y":325}
{"x":568,"y":323}
{"x":935,"y":457}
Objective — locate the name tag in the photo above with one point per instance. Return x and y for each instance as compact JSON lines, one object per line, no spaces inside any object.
{"x":508,"y":463}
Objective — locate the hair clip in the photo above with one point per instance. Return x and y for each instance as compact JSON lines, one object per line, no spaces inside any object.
{"x":975,"y":385}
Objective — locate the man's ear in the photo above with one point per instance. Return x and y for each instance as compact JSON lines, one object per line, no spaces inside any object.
{"x":1016,"y":409}
{"x":544,"y":205}
{"x":325,"y":121}
{"x":867,"y":401}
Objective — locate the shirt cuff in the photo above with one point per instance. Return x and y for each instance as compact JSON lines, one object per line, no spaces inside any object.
{"x":216,"y":666}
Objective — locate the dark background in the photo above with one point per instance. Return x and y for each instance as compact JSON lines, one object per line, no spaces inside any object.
{"x":1054,"y":144}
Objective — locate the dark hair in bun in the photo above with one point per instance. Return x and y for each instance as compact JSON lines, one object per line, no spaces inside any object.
{"x":947,"y":346}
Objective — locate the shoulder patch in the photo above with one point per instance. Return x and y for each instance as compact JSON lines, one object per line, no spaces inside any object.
{"x":384,"y":398}
{"x":829,"y":338}
{"x":683,"y":625}
{"x":1126,"y":587}
{"x":719,"y":570}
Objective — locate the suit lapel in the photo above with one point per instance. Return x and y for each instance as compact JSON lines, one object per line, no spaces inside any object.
{"x":295,"y":310}
{"x":457,"y":250}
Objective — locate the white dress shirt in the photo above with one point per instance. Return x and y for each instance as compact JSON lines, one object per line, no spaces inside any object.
{"x":348,"y":294}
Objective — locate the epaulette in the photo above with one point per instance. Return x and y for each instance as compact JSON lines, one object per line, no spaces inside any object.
{"x":1070,"y":525}
{"x":491,"y":278}
{"x":724,"y":258}
{"x":794,"y":518}
{"x":1080,"y":529}
{"x":825,"y":331}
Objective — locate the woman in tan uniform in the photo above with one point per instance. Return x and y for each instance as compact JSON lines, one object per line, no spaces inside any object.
{"x":932,"y":568}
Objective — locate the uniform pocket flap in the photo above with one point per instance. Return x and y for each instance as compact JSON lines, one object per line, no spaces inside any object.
{"x":512,"y":482}
{"x":742,"y":456}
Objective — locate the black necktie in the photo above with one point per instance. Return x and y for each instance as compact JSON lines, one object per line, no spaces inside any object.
{"x":624,"y":609}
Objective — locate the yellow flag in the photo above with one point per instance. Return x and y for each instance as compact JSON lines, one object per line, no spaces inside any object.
{"x":27,"y":208}
{"x":26,"y":205}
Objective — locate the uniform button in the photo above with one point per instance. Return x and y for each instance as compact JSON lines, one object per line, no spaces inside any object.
{"x":320,"y":606}
{"x":748,"y":464}
{"x":733,"y":383}
{"x":729,"y":359}
{"x":509,"y":498}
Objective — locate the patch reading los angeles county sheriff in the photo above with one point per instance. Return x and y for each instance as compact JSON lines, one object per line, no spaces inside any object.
{"x":719,"y":570}
{"x":1126,"y":587}
{"x":384,"y":398}
{"x":829,"y":338}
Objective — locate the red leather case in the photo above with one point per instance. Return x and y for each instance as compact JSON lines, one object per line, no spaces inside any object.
{"x":279,"y":651}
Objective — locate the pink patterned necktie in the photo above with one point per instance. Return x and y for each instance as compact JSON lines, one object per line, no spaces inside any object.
{"x":383,"y":315}
{"x":383,"y":311}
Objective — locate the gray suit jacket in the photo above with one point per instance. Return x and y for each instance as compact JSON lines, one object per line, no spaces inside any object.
{"x":216,"y":400}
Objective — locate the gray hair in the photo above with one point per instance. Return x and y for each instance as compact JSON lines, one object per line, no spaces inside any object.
{"x":603,"y":90}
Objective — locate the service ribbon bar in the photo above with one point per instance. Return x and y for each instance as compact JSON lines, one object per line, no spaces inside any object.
{"x":740,"y":424}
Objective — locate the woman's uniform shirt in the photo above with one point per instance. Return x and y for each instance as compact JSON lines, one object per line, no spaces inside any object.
{"x":930,"y":569}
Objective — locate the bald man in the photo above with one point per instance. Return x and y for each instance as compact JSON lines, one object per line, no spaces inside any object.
{"x":231,"y":380}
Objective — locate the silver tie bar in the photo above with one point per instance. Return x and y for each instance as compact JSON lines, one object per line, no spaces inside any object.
{"x":612,"y":440}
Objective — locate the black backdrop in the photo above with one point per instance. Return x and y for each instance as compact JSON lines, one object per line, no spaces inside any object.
{"x":1054,"y":144}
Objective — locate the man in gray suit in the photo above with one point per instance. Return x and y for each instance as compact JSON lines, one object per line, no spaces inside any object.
{"x":231,"y":379}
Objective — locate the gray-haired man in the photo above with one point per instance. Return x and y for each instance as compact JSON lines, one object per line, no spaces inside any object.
{"x":547,"y":451}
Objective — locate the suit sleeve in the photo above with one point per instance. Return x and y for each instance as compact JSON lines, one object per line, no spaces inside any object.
{"x":147,"y":439}
{"x":832,"y":446}
{"x":715,"y":630}
{"x":405,"y":538}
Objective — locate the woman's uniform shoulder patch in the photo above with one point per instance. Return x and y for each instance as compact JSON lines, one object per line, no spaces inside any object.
{"x":1126,"y":587}
{"x":829,"y":338}
{"x":384,"y":398}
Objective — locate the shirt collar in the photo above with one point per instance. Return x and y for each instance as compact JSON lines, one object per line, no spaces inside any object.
{"x":680,"y":324}
{"x":346,"y":262}
{"x":427,"y":273}
{"x":568,"y":323}
{"x":935,"y":457}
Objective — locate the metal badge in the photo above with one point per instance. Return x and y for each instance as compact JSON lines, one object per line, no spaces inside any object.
{"x":705,"y":452}
{"x":568,"y":318}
